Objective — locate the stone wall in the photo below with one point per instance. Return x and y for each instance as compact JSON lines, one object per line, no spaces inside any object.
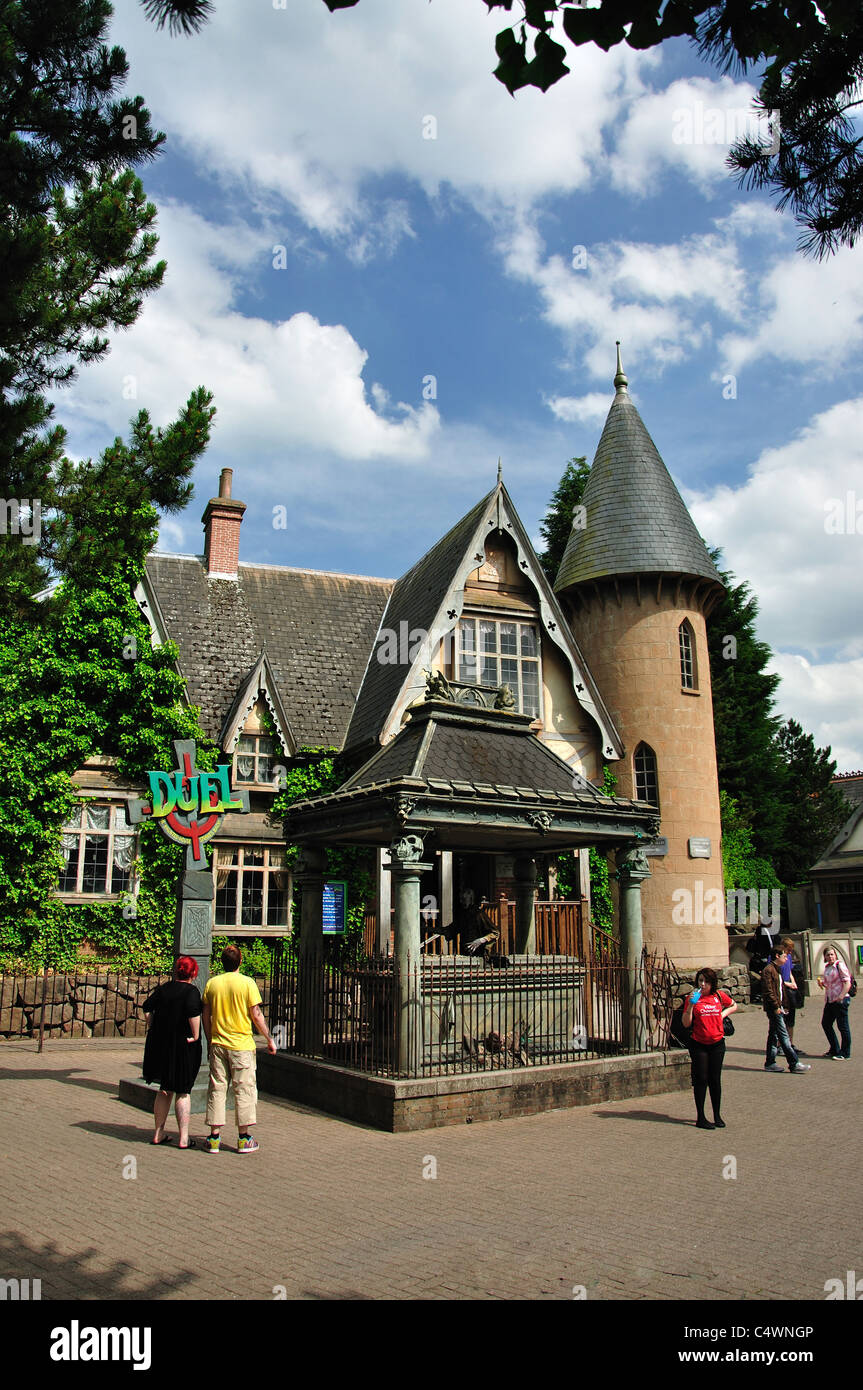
{"x":431,"y":1102}
{"x":91,"y":1004}
{"x":734,"y":979}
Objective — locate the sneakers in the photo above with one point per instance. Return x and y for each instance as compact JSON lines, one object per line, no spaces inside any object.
{"x":247,"y":1145}
{"x":801,"y":1066}
{"x":774,"y":1066}
{"x":212,"y":1142}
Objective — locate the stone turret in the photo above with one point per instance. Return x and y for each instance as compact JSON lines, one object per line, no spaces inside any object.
{"x":638,"y":583}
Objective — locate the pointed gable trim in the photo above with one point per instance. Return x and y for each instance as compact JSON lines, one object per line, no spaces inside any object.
{"x":494,"y":512}
{"x":146,"y":598}
{"x":835,"y":846}
{"x":260,"y":683}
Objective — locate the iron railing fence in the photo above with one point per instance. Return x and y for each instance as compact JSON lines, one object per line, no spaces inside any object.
{"x":451,"y":1015}
{"x":562,"y":929}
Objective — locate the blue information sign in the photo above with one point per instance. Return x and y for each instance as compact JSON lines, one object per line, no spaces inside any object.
{"x":335,"y":907}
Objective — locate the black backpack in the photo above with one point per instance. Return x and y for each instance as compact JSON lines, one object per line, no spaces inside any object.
{"x":678,"y":1036}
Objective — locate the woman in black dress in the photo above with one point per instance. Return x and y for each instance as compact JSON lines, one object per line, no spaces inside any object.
{"x":172,"y":1052}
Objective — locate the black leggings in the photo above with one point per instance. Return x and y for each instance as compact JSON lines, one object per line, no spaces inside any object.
{"x":707,"y":1059}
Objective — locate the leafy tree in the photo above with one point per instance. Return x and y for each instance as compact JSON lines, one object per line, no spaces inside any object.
{"x":743,"y":713}
{"x":814,"y":809}
{"x":76,"y":240}
{"x":742,"y":866}
{"x":87,"y":679}
{"x":556,"y":525}
{"x":181,"y":16}
{"x":809,"y":58}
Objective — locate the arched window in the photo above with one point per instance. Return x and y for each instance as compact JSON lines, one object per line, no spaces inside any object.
{"x":646,"y":780}
{"x":688,"y":663}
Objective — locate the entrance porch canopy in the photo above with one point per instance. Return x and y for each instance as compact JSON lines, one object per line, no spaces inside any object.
{"x":467,"y":779}
{"x":457,"y":777}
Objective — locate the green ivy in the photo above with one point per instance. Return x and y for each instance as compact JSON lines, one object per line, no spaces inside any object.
{"x":741,"y":866}
{"x":568,"y":882}
{"x":318,"y":772}
{"x":85,"y":680}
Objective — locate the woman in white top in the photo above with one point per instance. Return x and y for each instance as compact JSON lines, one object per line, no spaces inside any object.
{"x":836,"y":983}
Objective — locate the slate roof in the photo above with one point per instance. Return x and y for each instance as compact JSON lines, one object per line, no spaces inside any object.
{"x":316,"y":629}
{"x":850,"y":785}
{"x":478,"y":779}
{"x":835,"y":857}
{"x":637,"y":521}
{"x":453,"y":743}
{"x":415,"y":600}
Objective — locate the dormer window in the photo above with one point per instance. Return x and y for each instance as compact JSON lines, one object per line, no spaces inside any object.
{"x":254,"y":760}
{"x":498,"y":651}
{"x":688,"y":664}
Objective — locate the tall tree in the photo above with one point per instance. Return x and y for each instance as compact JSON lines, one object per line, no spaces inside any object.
{"x":76,"y":241}
{"x":743,"y":713}
{"x":87,"y":679}
{"x":557,"y":523}
{"x":814,"y":809}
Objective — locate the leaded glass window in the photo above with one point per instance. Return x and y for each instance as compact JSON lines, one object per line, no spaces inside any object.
{"x":255,"y":758}
{"x":646,"y":778}
{"x":98,"y":849}
{"x":252,"y":887}
{"x":688,"y":667}
{"x":495,"y":652}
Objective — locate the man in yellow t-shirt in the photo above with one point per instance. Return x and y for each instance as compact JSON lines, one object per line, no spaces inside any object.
{"x":232,"y":1003}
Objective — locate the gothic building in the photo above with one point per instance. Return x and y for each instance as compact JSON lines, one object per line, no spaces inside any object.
{"x":610,"y":664}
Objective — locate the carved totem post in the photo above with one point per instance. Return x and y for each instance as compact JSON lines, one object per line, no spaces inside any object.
{"x":189,"y":805}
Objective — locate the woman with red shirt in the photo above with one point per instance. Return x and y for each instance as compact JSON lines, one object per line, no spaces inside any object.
{"x":705,"y":1011}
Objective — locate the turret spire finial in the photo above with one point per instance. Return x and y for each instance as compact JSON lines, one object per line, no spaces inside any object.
{"x":620,"y":380}
{"x":499,"y":472}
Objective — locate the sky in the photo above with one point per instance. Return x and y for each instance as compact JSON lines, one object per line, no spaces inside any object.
{"x":390,"y":273}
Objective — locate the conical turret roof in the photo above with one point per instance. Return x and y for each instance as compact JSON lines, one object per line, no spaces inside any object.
{"x":637,"y":522}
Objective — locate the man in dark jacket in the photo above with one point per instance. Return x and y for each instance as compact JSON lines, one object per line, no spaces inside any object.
{"x":777,"y":1033}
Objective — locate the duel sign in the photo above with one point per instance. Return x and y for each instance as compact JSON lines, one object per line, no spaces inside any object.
{"x":188,"y":803}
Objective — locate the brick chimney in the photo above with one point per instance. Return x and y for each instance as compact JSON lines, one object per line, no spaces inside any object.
{"x":222,"y":519}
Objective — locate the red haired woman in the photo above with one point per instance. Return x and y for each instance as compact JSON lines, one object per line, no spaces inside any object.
{"x":172,"y":1052}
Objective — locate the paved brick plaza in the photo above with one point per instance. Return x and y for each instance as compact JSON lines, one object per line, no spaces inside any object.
{"x":625,"y":1198}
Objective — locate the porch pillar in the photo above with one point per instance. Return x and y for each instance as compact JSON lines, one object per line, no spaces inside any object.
{"x":632,"y":870}
{"x":310,"y":874}
{"x":384,"y":902}
{"x":407,"y":869}
{"x":525,"y":913}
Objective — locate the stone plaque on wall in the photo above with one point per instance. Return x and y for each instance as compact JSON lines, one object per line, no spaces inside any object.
{"x":698,"y":848}
{"x":656,"y":847}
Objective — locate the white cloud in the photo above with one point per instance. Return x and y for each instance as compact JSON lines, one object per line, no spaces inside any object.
{"x":310,"y":108}
{"x":689,"y":127}
{"x":582,"y":410}
{"x":776,"y":532}
{"x":808,"y":312}
{"x":826,"y":699}
{"x":659,"y":300}
{"x":277,"y":386}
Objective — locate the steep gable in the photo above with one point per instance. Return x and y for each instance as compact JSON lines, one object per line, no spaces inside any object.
{"x":430,"y":599}
{"x":316,"y":629}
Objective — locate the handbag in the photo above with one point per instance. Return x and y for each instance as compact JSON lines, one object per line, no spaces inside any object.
{"x":728,"y":1028}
